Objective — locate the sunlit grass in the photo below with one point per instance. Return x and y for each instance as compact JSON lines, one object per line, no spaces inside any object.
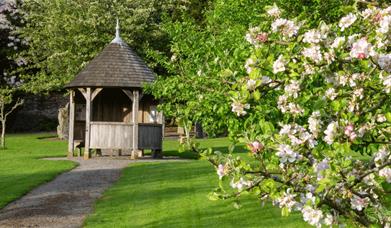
{"x":174,"y":194}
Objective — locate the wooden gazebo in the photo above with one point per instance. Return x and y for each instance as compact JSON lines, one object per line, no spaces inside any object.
{"x":108,"y":110}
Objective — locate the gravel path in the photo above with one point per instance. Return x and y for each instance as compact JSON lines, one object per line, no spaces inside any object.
{"x":68,"y":199}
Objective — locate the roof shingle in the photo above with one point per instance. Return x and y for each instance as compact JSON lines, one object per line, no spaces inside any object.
{"x":116,"y":66}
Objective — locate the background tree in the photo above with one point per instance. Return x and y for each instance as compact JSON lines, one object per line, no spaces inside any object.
{"x":7,"y":106}
{"x":64,"y":35}
{"x":10,"y":45}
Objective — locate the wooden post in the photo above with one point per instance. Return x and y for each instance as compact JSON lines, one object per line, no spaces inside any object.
{"x":162,"y":122}
{"x":135,"y":123}
{"x":88,"y":124}
{"x":71,"y":142}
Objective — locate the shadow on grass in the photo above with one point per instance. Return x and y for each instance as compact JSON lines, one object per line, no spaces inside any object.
{"x":239,"y":149}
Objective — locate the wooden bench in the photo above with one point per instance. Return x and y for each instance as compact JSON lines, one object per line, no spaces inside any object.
{"x":78,"y":144}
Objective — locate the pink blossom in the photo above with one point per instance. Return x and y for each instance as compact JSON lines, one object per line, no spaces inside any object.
{"x":349,"y":131}
{"x":361,"y":49}
{"x":255,"y":146}
{"x":358,"y":203}
{"x":262,"y":37}
{"x":221,"y":171}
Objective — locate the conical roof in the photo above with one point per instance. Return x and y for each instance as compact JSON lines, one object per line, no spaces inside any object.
{"x":116,"y":66}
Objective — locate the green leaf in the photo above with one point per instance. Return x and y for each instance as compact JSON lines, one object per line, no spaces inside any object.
{"x":257,"y":95}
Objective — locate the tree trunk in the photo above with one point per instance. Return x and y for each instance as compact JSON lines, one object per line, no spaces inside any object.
{"x":3,"y":134}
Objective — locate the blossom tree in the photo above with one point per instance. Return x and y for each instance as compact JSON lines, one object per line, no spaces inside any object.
{"x":314,"y":110}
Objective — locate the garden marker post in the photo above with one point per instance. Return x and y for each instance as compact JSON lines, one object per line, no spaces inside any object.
{"x":135,"y":123}
{"x":88,"y":124}
{"x":71,"y":144}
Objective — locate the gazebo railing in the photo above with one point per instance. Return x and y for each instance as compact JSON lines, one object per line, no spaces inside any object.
{"x":111,"y":135}
{"x":118,"y":135}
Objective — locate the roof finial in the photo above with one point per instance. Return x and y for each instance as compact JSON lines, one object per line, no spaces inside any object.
{"x":117,"y":30}
{"x":117,"y":38}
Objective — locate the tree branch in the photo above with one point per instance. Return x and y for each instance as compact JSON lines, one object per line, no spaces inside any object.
{"x":18,"y":103}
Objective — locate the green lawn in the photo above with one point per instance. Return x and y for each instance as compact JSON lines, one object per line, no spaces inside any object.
{"x":157,"y":194}
{"x":175,"y":195}
{"x":21,"y":169}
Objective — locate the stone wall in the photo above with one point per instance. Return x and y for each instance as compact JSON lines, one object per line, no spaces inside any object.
{"x":39,"y":113}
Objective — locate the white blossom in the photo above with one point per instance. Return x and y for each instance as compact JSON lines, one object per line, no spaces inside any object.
{"x":287,"y":200}
{"x":312,"y":216}
{"x":308,"y":197}
{"x":312,"y":37}
{"x":239,"y":108}
{"x":358,"y":203}
{"x":387,"y":83}
{"x":297,"y":134}
{"x":309,"y":69}
{"x":329,"y":56}
{"x":358,"y":93}
{"x":384,"y":25}
{"x":314,"y":123}
{"x":386,"y":11}
{"x":290,"y":107}
{"x":249,"y":65}
{"x":347,"y":21}
{"x":331,"y":94}
{"x":328,"y":220}
{"x":173,"y":57}
{"x":353,"y":105}
{"x":286,"y":129}
{"x":279,"y":65}
{"x":251,"y":84}
{"x":338,"y":41}
{"x":324,"y":31}
{"x":369,"y":179}
{"x":286,"y":27}
{"x":274,"y":11}
{"x":313,"y":53}
{"x":381,"y":118}
{"x":380,"y":42}
{"x":323,"y":165}
{"x":384,"y":62}
{"x":266,"y":80}
{"x":352,"y":39}
{"x":295,"y":109}
{"x":330,"y":132}
{"x":386,"y":173}
{"x":292,"y":89}
{"x":282,"y":103}
{"x":286,"y":154}
{"x":241,"y":184}
{"x":367,"y":13}
{"x":250,"y":36}
{"x":382,"y":155}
